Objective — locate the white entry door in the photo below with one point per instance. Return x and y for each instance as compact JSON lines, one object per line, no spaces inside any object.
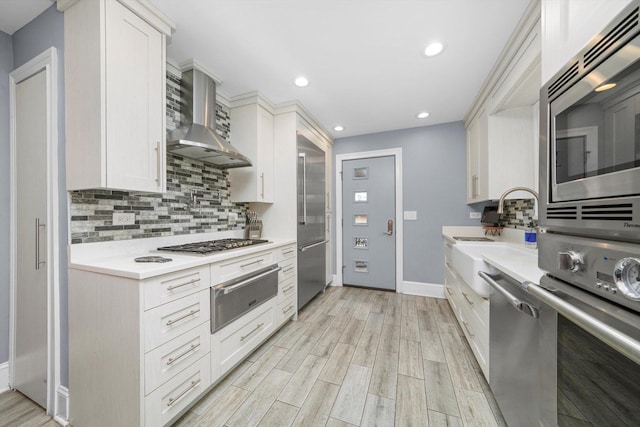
{"x":30,"y":365}
{"x":368,"y":217}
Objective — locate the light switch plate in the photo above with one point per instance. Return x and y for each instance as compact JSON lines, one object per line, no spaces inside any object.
{"x":124,"y":218}
{"x":410,"y":215}
{"x":475,"y":215}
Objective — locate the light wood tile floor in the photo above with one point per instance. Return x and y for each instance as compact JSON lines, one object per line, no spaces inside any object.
{"x":357,"y":357}
{"x":17,"y":410}
{"x":354,"y":357}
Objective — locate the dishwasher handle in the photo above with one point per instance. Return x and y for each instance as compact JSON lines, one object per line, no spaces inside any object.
{"x":521,"y":306}
{"x":618,"y":340}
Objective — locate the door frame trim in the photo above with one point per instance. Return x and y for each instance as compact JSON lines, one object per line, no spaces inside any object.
{"x":397,"y":154}
{"x":46,"y":61}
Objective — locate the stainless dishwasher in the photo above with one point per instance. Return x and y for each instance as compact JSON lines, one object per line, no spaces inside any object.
{"x":235,"y":297}
{"x":514,"y":370}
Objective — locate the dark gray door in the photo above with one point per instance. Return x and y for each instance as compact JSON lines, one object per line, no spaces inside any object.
{"x":368,"y":218}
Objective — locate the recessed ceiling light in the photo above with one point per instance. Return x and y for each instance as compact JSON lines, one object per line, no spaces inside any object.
{"x":338,"y":128}
{"x":301,"y":81}
{"x":433,"y":49}
{"x":606,"y":86}
{"x":422,"y":115}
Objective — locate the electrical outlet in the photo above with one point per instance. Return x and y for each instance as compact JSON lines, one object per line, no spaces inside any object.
{"x":519,"y":215}
{"x":124,"y":218}
{"x":233,"y":216}
{"x":475,"y":215}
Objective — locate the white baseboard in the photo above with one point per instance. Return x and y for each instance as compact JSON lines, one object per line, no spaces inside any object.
{"x":4,"y":377}
{"x":432,"y":290}
{"x":334,"y":281}
{"x":62,"y":406}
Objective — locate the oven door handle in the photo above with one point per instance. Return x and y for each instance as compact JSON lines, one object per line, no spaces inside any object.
{"x":522,"y":307}
{"x":228,"y":289}
{"x":619,"y":341}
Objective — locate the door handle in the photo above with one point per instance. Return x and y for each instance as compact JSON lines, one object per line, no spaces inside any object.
{"x":389,"y":231}
{"x":38,"y":227}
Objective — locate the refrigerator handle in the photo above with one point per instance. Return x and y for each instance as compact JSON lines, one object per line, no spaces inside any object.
{"x":304,"y":188}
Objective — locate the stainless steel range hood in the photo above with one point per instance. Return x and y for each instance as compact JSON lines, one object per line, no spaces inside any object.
{"x":196,"y":138}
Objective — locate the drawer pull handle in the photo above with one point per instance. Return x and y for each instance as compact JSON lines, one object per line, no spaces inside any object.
{"x":286,"y":270}
{"x":288,"y":309}
{"x":448,"y":291}
{"x":191,"y":313}
{"x":467,"y":298}
{"x":290,"y":251}
{"x":190,"y":282}
{"x":193,"y":385}
{"x":466,"y":326}
{"x":244,"y":337}
{"x":251,"y":263}
{"x":183,"y":354}
{"x":449,"y":265}
{"x":287,"y":289}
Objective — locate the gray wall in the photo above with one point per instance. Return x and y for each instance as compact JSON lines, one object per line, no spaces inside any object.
{"x":6,"y":66}
{"x":31,"y":40}
{"x":434,"y":184}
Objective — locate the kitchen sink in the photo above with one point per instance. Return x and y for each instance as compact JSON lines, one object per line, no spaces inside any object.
{"x":467,"y":260}
{"x":472,"y":239}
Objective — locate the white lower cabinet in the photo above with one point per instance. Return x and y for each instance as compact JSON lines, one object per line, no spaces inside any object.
{"x":471,"y":311}
{"x":176,"y":394}
{"x":141,"y":351}
{"x":237,"y":340}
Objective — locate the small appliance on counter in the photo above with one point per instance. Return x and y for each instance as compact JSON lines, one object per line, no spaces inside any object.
{"x":253,"y":229}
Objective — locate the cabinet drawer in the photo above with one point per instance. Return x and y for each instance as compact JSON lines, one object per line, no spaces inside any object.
{"x":286,"y":252}
{"x":288,"y":269}
{"x":177,"y":393}
{"x":286,"y":309}
{"x":170,"y":320}
{"x":286,"y":289}
{"x":241,"y":337}
{"x":167,"y":360}
{"x":224,"y":271}
{"x":169,"y":287}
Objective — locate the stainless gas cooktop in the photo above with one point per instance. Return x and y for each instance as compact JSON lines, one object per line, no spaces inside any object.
{"x":211,"y":246}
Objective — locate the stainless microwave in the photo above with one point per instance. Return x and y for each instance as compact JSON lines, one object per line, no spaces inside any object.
{"x":590,"y":137}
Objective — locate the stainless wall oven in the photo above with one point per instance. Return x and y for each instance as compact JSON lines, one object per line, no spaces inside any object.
{"x":590,"y":137}
{"x":589,"y":245}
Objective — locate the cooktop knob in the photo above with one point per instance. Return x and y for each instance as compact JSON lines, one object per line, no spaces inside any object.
{"x":570,"y":260}
{"x":627,"y":277}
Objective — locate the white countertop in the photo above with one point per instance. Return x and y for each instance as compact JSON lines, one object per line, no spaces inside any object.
{"x":122,"y":263}
{"x":520,"y":263}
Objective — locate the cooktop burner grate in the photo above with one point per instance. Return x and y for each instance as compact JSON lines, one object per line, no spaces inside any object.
{"x":207,"y":247}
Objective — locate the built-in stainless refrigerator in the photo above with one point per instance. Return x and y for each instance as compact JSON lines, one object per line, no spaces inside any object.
{"x":311,"y":226}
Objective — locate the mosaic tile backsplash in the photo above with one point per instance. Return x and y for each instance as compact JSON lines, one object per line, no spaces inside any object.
{"x":511,"y":207}
{"x":168,"y":214}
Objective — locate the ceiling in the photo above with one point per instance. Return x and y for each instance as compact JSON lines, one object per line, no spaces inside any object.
{"x":15,"y":14}
{"x":363,"y":58}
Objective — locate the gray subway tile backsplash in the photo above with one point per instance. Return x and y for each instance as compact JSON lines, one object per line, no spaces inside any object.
{"x":166,"y":214}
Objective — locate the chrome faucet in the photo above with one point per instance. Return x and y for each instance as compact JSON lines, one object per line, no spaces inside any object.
{"x":511,"y":190}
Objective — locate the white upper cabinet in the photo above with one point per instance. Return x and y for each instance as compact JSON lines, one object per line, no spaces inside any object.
{"x":568,"y":25}
{"x":502,"y":125}
{"x":115,"y":94}
{"x":252,"y":135}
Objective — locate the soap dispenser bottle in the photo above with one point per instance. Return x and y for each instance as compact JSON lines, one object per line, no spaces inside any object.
{"x":530,"y":237}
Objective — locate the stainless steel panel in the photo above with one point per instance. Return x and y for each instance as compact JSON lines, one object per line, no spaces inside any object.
{"x":514,"y":372}
{"x":311,"y":271}
{"x":311,"y":192}
{"x":232,"y":299}
{"x":582,"y":368}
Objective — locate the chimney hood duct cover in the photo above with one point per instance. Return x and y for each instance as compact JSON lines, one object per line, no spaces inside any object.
{"x":196,"y":138}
